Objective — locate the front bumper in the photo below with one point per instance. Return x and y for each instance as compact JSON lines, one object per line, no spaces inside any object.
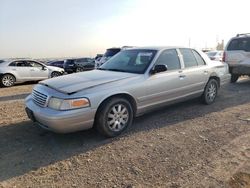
{"x":60,"y":121}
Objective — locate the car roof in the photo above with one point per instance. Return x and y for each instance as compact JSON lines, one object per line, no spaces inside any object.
{"x":158,"y":48}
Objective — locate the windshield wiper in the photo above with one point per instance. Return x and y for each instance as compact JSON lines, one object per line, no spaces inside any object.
{"x":117,"y":70}
{"x":101,"y":69}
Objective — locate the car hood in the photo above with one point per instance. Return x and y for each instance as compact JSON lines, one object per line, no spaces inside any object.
{"x":73,"y":83}
{"x":53,"y":68}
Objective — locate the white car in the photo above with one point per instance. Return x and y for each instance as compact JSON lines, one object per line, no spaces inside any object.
{"x":237,"y":56}
{"x":215,"y":55}
{"x":14,"y":71}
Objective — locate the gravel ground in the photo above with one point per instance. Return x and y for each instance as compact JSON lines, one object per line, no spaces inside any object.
{"x":184,"y":145}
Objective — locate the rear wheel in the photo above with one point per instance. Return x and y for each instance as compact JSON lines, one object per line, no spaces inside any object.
{"x":8,"y":80}
{"x":55,"y":74}
{"x":79,"y":69}
{"x":114,"y":116}
{"x":234,"y":78}
{"x":210,"y":92}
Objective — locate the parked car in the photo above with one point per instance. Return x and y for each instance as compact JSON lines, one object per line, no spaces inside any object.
{"x":108,"y":54}
{"x":56,"y":63}
{"x":130,"y":84}
{"x":215,"y":55}
{"x":237,"y":56}
{"x":98,"y":56}
{"x":84,"y":64}
{"x":13,"y":71}
{"x":69,"y":66}
{"x":78,"y":65}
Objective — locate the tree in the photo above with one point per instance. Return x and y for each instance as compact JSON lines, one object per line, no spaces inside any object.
{"x":220,"y":46}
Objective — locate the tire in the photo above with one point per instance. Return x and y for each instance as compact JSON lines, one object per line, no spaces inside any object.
{"x":79,"y":69}
{"x":234,"y":78}
{"x":55,"y":74}
{"x":210,"y":92}
{"x":8,"y":80}
{"x":114,"y":117}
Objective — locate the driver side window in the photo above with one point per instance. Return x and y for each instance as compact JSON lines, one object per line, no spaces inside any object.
{"x":170,"y":59}
{"x":34,"y":64}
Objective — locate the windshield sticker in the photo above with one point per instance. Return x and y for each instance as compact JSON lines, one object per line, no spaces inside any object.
{"x":146,"y":54}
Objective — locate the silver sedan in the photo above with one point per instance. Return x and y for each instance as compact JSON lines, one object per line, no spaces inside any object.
{"x":130,"y":84}
{"x":22,"y":70}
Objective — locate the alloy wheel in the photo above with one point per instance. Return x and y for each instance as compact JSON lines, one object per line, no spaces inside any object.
{"x":55,"y":74}
{"x":118,"y":117}
{"x":211,"y":93}
{"x":8,"y":80}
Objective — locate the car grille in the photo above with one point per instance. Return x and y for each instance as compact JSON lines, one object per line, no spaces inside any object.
{"x":39,"y":98}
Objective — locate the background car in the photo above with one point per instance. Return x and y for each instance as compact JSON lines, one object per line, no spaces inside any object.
{"x":215,"y":55}
{"x":69,"y":66}
{"x":14,"y":71}
{"x":130,"y":84}
{"x":56,"y":63}
{"x":84,"y":64}
{"x":108,"y":54}
{"x":237,"y":56}
{"x":78,"y":65}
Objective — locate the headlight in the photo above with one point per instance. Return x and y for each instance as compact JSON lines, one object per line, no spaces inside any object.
{"x":68,"y":104}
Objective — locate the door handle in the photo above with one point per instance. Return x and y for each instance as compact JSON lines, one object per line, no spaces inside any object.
{"x":206,"y":72}
{"x":14,"y":69}
{"x":32,"y":70}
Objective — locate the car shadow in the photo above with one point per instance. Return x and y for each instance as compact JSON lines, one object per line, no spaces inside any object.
{"x":14,"y":97}
{"x":26,"y":147}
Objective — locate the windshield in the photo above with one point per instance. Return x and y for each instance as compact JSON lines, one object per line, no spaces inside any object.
{"x":132,"y":61}
{"x":1,"y":61}
{"x":240,"y":44}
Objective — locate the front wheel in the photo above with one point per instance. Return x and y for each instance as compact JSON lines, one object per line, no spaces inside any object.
{"x":55,"y":74}
{"x":210,"y":92}
{"x":114,"y":116}
{"x":8,"y":80}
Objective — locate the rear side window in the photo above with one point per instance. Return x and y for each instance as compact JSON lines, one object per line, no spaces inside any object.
{"x":239,"y":44}
{"x":19,"y":64}
{"x":198,"y":58}
{"x":169,"y":58}
{"x":188,"y":58}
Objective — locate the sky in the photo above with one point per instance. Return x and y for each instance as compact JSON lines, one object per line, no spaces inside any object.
{"x":80,"y":28}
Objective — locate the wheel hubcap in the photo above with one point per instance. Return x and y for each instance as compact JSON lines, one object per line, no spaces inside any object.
{"x":8,"y":80}
{"x":55,"y":74}
{"x":79,"y":70}
{"x":211,"y":94}
{"x":118,"y":117}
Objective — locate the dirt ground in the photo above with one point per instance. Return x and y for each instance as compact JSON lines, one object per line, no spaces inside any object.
{"x":184,"y":145}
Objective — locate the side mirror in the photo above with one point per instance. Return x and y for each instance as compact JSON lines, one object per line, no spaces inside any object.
{"x":159,"y":68}
{"x":44,"y":68}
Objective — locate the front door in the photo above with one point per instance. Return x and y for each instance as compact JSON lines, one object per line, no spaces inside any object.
{"x":38,"y":71}
{"x":164,"y":86}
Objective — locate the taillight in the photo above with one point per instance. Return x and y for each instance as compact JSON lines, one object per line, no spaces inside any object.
{"x":224,"y":57}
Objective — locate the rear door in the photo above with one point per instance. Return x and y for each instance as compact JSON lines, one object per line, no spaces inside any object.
{"x":238,"y":51}
{"x":21,"y":70}
{"x":195,"y":73}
